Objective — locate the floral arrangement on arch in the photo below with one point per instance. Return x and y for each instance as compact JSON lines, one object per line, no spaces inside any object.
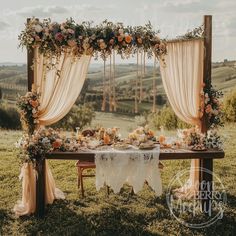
{"x":210,"y":98}
{"x":53,"y":38}
{"x":29,"y":111}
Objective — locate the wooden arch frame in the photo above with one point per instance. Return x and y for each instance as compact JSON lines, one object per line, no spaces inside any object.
{"x":206,"y":158}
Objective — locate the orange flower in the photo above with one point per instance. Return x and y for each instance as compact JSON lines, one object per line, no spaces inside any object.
{"x":139,"y":40}
{"x":150,"y":133}
{"x":120,"y":38}
{"x":57,"y":143}
{"x":162,"y":139}
{"x":106,"y":139}
{"x":128,"y":39}
{"x":34,"y":103}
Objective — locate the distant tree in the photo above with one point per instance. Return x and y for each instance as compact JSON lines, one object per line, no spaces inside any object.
{"x":79,"y":116}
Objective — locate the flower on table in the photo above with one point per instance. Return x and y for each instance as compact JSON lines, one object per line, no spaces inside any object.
{"x":57,"y":143}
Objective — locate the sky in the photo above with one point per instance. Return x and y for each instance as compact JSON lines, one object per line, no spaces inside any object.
{"x":171,"y":17}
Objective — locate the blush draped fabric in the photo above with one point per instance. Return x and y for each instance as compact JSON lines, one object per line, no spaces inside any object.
{"x":59,"y":88}
{"x":182,"y":76}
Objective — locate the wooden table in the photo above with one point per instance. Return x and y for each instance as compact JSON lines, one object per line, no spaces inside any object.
{"x":206,"y":162}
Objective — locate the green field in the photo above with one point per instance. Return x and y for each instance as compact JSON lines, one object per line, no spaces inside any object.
{"x":118,"y":214}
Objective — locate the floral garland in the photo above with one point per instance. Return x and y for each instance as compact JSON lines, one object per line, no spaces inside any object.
{"x":29,"y":111}
{"x":196,"y":33}
{"x":54,"y":38}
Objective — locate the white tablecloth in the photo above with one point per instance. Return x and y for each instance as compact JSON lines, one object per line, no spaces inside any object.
{"x":133,"y":166}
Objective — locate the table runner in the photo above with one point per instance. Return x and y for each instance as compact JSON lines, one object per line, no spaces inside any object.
{"x":133,"y":166}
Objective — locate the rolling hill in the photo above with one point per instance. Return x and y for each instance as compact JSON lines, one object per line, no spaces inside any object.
{"x":13,"y":81}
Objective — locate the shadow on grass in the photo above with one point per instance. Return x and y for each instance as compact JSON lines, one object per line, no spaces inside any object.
{"x":93,"y":215}
{"x":4,"y":217}
{"x":118,"y":214}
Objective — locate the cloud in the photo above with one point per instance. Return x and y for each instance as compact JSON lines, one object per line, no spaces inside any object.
{"x":3,"y":25}
{"x":41,"y":11}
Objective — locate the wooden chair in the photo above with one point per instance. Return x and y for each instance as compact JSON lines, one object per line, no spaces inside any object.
{"x":81,"y":166}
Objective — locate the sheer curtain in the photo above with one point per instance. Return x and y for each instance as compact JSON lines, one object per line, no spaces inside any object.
{"x":59,"y":88}
{"x":182,"y":76}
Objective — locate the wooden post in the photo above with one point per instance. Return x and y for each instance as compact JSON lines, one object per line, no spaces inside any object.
{"x":30,"y":60}
{"x":206,"y":164}
{"x":40,"y":165}
{"x":40,"y":188}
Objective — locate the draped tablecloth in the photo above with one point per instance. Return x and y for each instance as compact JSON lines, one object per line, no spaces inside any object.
{"x":133,"y":166}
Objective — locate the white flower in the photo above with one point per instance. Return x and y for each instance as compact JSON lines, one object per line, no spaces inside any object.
{"x":38,"y":28}
{"x":109,"y":131}
{"x":121,"y":31}
{"x":45,"y":140}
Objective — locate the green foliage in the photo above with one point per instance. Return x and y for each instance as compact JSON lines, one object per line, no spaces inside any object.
{"x":9,"y":118}
{"x":230,"y":107}
{"x":167,"y":119}
{"x":79,"y":116}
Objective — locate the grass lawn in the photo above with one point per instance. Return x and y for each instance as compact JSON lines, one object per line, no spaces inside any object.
{"x":97,"y":214}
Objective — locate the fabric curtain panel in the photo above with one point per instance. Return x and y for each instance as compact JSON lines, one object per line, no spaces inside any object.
{"x":59,"y":88}
{"x":182,"y":76}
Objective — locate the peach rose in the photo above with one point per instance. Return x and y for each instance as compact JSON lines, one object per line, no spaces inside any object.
{"x":208,"y":108}
{"x":128,"y":39}
{"x":34,"y":103}
{"x":150,"y":133}
{"x":120,"y":38}
{"x":139,"y":40}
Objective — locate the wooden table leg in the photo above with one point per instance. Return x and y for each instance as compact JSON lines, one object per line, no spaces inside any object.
{"x":40,"y":188}
{"x":205,"y":185}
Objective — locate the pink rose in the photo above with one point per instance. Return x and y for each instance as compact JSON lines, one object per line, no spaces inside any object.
{"x":59,"y":37}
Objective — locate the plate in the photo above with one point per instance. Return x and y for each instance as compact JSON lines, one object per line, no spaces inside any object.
{"x":121,"y":147}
